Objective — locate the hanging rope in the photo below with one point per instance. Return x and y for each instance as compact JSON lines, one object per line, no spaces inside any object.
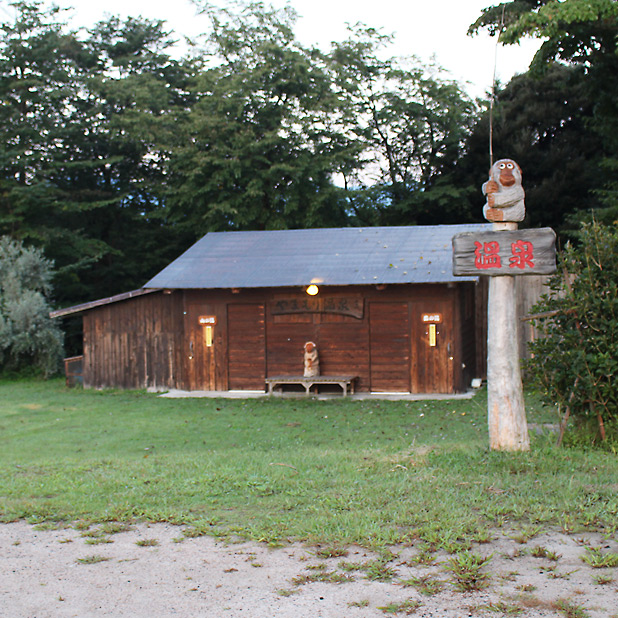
{"x":493,"y":94}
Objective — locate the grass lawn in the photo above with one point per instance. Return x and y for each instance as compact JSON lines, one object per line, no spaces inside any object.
{"x":368,"y":472}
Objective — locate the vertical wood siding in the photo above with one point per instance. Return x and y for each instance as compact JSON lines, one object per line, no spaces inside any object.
{"x":529,"y":290}
{"x":134,"y":343}
{"x":157,"y":341}
{"x":467,"y":316}
{"x":389,"y":344}
{"x":246,"y":346}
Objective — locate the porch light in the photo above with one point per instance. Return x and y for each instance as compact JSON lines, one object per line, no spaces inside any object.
{"x":312,"y":289}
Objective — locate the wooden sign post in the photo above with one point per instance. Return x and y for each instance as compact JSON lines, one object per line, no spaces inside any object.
{"x":502,"y":254}
{"x":506,"y":413}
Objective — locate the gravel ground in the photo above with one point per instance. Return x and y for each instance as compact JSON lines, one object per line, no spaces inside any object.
{"x":154,"y":571}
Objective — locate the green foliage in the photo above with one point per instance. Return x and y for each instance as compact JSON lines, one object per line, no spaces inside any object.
{"x":255,"y":151}
{"x":114,"y":156}
{"x":575,"y":361}
{"x":28,"y":337}
{"x":574,"y":30}
{"x":544,"y":124}
{"x":466,"y":569}
{"x":409,"y":123}
{"x":599,"y":560}
{"x":81,"y":169}
{"x":407,"y":607}
{"x":582,"y":34}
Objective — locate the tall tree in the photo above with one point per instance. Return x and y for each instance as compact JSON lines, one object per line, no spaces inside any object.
{"x":80,"y":147}
{"x":254,"y":151}
{"x":114,"y":160}
{"x":41,"y":69}
{"x":410,"y":123}
{"x":542,"y":123}
{"x":582,"y":34}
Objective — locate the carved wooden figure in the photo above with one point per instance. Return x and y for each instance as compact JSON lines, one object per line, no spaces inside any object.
{"x":508,"y":428}
{"x":312,"y":362}
{"x":505,"y":195}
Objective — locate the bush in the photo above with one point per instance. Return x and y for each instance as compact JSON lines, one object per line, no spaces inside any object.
{"x":28,"y":337}
{"x":576,"y":357}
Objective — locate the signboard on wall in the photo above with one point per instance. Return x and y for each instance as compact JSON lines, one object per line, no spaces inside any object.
{"x":344,"y":305}
{"x":518,"y":252}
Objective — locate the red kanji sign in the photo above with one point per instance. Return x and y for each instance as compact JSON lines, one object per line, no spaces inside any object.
{"x":522,"y":255}
{"x":487,"y":255}
{"x":517,"y":252}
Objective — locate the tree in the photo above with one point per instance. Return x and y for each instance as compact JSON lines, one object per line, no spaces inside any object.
{"x":543,"y":123}
{"x":574,"y":360}
{"x":582,"y":34}
{"x":113,"y":162}
{"x":82,"y":147}
{"x":575,"y":31}
{"x":28,"y":337}
{"x":409,"y":123}
{"x":40,"y":73}
{"x":254,"y":152}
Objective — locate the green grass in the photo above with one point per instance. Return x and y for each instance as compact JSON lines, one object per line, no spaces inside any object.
{"x":466,"y":569}
{"x":336,"y":472}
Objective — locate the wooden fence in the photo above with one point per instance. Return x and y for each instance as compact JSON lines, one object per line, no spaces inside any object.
{"x":529,"y":291}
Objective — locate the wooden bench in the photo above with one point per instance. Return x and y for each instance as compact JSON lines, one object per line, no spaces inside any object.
{"x":345,"y":382}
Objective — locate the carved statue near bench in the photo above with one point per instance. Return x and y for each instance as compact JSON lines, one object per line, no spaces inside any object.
{"x":312,"y":362}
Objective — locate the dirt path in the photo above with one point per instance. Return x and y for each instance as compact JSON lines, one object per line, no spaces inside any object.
{"x":150,"y":572}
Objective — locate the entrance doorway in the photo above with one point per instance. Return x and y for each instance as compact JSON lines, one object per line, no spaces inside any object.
{"x":432,"y":367}
{"x":389,"y":347}
{"x":204,"y":342}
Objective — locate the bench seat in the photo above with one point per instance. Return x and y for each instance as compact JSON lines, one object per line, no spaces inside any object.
{"x":345,"y":382}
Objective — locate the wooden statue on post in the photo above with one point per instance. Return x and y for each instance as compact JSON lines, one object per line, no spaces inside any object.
{"x":505,"y":195}
{"x":508,"y":428}
{"x":502,"y":254}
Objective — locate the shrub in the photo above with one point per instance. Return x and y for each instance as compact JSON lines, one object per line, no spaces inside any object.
{"x":576,"y":356}
{"x":28,"y":337}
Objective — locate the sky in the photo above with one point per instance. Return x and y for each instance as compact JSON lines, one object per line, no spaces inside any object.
{"x":423,"y":28}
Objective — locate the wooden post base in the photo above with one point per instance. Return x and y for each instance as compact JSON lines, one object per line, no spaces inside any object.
{"x":508,"y":428}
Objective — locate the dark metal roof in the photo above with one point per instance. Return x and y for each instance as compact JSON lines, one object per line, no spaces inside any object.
{"x":337,"y":256}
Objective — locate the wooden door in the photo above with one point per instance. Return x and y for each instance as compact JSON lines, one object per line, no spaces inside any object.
{"x":432,"y":347}
{"x":389,"y":347}
{"x":204,"y":329}
{"x":246,"y":347}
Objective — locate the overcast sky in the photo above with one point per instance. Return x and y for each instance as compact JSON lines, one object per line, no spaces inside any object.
{"x":423,"y":28}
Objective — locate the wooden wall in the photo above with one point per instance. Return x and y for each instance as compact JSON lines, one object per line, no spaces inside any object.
{"x":220,"y":340}
{"x":134,"y":343}
{"x":529,"y":290}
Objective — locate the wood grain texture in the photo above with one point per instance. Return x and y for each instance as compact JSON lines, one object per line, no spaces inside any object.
{"x":246,"y":346}
{"x":156,"y":340}
{"x":134,"y":343}
{"x":466,"y":260}
{"x":508,"y":428}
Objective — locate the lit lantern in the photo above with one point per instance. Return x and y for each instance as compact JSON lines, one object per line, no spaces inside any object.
{"x":312,"y":290}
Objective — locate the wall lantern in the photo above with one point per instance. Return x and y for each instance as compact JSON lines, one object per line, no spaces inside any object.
{"x":312,"y":289}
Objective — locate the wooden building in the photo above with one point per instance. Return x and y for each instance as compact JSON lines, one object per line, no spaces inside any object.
{"x":234,"y":310}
